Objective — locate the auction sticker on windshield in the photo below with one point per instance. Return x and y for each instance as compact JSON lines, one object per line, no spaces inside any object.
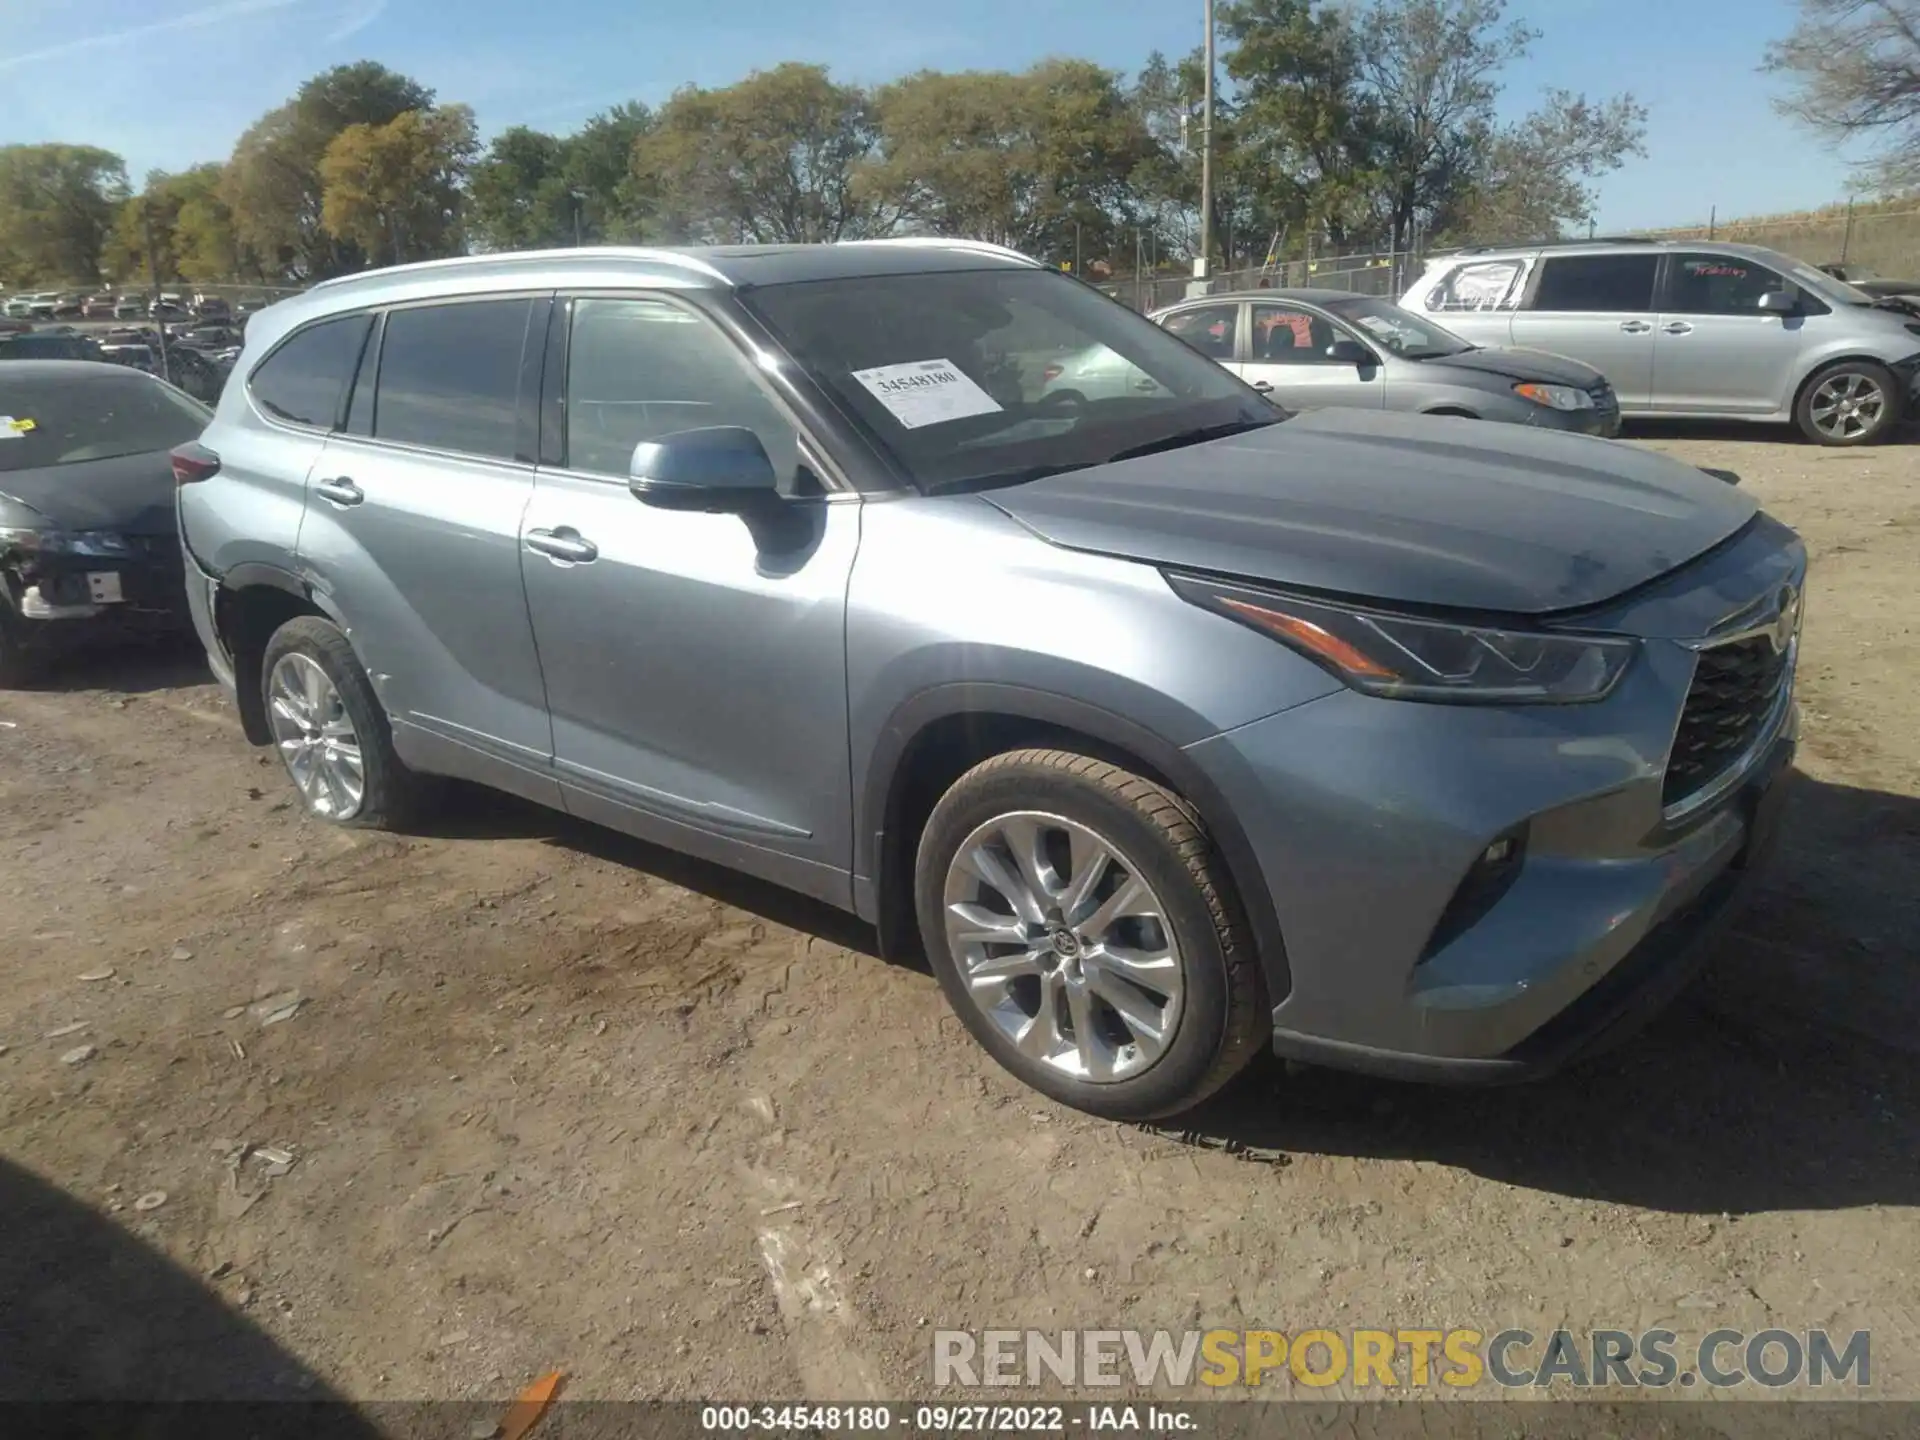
{"x":926,"y":392}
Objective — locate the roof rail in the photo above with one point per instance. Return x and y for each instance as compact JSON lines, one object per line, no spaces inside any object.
{"x":946,"y":242}
{"x":659,"y":255}
{"x":1566,"y":244}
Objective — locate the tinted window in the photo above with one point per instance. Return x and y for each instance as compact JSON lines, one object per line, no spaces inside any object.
{"x":306,"y":378}
{"x":63,"y":420}
{"x":1283,"y":335}
{"x":450,"y":376}
{"x":1596,"y":282}
{"x":1208,"y":328}
{"x":640,"y":369}
{"x":1485,"y":285}
{"x":1719,"y":285}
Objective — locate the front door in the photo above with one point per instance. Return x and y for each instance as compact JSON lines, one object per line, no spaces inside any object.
{"x":1598,"y":308}
{"x":412,"y":530}
{"x":1715,"y":349}
{"x":1287,"y":359}
{"x":695,"y":663}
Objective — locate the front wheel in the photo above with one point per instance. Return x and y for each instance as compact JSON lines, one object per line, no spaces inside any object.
{"x":1855,"y":402}
{"x":1084,"y":929}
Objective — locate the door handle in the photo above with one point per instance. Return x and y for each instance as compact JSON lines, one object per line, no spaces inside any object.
{"x":1265,"y":387}
{"x":340,"y":491}
{"x":565,"y":544}
{"x":1635,"y":327}
{"x":1677,"y":327}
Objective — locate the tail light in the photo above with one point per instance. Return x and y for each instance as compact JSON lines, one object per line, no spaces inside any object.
{"x":194,"y":462}
{"x":1053,"y":373}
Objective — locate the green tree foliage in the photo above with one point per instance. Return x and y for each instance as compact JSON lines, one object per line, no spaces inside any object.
{"x":57,"y":206}
{"x":779,"y":157}
{"x":274,"y":184}
{"x":530,"y":187}
{"x":392,"y":190}
{"x":1018,"y":159}
{"x":192,"y":230}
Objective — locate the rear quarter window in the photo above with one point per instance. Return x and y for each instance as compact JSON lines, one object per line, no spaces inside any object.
{"x":1481,"y":285}
{"x":306,"y":377}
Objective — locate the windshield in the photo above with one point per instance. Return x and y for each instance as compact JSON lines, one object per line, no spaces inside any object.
{"x":1836,"y":292}
{"x":1410,"y":336}
{"x":1001,"y":375}
{"x":48,"y":420}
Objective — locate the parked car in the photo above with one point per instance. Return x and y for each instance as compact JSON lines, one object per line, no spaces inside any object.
{"x":18,"y":307}
{"x":140,"y":356}
{"x":1173,"y":726}
{"x":88,"y":543}
{"x":207,"y":337}
{"x":42,"y":345}
{"x":211,"y":307}
{"x":129,"y":307}
{"x":1308,"y":348}
{"x":97,"y":307}
{"x":1693,"y":328}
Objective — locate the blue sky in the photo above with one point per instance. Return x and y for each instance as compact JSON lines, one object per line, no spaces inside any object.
{"x":172,"y":82}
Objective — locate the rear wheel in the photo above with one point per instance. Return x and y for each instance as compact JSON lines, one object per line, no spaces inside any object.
{"x":1855,"y":402}
{"x":330,"y":730}
{"x":1083,"y":928}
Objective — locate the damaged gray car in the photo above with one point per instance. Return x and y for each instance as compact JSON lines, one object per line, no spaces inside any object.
{"x":89,"y":547}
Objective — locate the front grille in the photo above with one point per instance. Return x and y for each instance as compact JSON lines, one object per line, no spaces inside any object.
{"x":1735,"y":690}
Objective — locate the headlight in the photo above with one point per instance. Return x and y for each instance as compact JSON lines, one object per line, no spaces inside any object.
{"x":104,"y":543}
{"x":1554,"y":397}
{"x":1404,"y":658}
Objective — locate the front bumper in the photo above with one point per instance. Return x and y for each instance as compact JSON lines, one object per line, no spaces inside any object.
{"x":62,"y":600}
{"x":1368,"y":818}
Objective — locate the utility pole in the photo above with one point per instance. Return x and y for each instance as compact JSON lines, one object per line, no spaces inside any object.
{"x":1205,"y":262}
{"x":153,"y":275}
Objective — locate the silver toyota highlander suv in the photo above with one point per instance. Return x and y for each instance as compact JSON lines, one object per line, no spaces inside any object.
{"x":1693,"y":328}
{"x":1170,"y":726}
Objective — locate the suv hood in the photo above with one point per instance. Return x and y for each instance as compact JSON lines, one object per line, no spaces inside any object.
{"x":1521,"y":365}
{"x":1407,"y":509}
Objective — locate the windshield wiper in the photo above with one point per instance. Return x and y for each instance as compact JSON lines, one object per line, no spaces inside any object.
{"x":1199,"y":435}
{"x":994,"y":479}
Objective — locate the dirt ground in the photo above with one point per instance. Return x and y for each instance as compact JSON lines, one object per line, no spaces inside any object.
{"x":552,"y":1098}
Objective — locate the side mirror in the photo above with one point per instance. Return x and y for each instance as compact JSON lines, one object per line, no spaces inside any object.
{"x":1777,"y":302}
{"x":721,"y":469}
{"x":1349,"y":352}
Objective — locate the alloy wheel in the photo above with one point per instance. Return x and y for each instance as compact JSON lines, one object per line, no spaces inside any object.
{"x":1847,"y":406}
{"x":1064,"y":946}
{"x":315,"y":737}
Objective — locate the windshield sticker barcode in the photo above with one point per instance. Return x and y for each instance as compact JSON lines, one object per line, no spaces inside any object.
{"x":926,"y":392}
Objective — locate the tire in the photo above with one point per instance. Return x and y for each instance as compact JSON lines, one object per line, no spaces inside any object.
{"x":18,"y":665}
{"x":1210,"y":1003}
{"x":1850,"y":382}
{"x":389,"y":793}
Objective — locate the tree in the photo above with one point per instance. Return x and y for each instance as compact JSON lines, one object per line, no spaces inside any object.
{"x":191,"y":225}
{"x":518,"y":196}
{"x":777,"y":157}
{"x":273,"y":182}
{"x":1854,"y":69}
{"x":393,"y":189}
{"x":617,"y":200}
{"x":1026,"y":160}
{"x":57,"y":206}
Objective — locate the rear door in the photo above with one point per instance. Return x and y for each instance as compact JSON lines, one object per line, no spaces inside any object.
{"x":1714,"y":348}
{"x":1213,"y":330}
{"x":413,"y":531}
{"x":1287,"y":359}
{"x":1598,"y":308}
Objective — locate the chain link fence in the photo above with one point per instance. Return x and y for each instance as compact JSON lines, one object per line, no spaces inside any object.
{"x":1886,"y":242}
{"x":1386,"y":273}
